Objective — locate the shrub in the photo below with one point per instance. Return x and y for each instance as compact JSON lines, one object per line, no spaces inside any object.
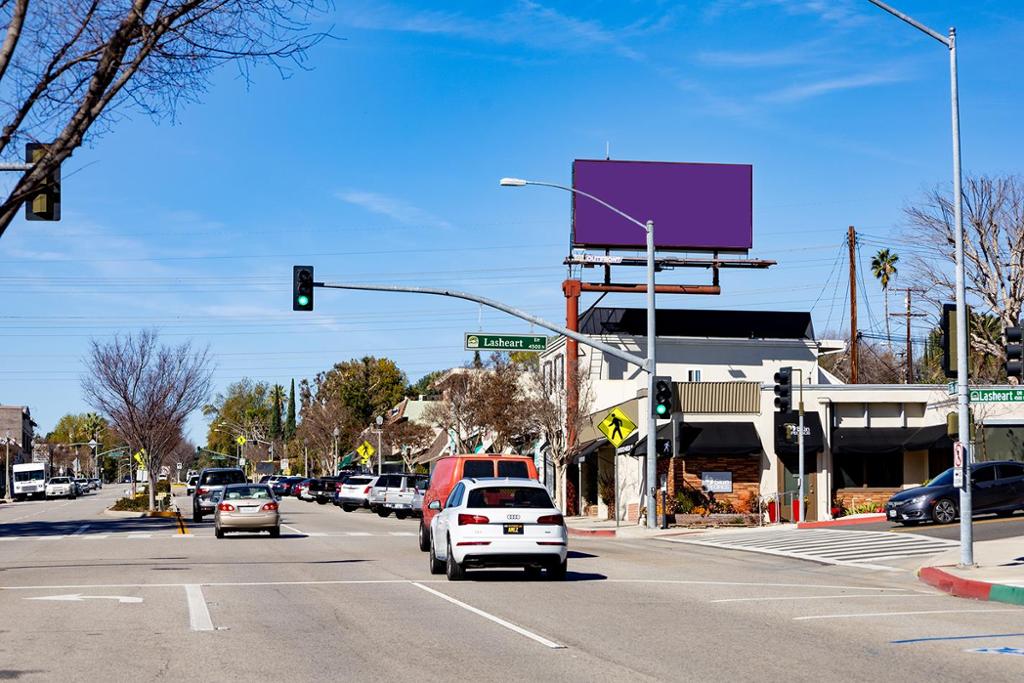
{"x":865,"y":508}
{"x":140,"y":503}
{"x":163,"y":487}
{"x":684,"y":503}
{"x":699,"y":510}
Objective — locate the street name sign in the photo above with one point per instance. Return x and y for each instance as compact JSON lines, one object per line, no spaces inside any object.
{"x":616,"y":426}
{"x":505,"y":342}
{"x":994,"y":395}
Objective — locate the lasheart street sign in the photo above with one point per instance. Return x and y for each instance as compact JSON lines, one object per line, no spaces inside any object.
{"x":506,"y":342}
{"x":1013,"y":395}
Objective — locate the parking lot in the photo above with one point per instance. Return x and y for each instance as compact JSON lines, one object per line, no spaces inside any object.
{"x":350,"y":595}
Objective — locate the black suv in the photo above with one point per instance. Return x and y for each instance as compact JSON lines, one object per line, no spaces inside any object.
{"x":211,"y":481}
{"x":995,"y":487}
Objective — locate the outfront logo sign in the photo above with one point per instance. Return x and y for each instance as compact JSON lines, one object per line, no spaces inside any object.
{"x":792,"y":429}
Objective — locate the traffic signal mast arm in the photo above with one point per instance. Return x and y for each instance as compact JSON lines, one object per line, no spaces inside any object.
{"x":634,"y":359}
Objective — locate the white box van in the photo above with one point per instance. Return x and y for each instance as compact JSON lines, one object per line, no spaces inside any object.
{"x":29,"y":480}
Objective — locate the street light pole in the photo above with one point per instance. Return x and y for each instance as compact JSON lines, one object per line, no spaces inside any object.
{"x":7,"y":467}
{"x":337,"y":433}
{"x":962,"y":347}
{"x":650,"y":365}
{"x":380,"y":453}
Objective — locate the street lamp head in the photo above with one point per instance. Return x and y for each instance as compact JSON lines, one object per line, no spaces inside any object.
{"x":337,"y":432}
{"x":380,"y":420}
{"x":512,"y":182}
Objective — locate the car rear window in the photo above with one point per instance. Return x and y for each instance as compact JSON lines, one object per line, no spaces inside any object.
{"x":255,"y":491}
{"x":477,"y":468}
{"x":516,"y":469}
{"x":59,"y":480}
{"x":509,"y":497}
{"x":421,"y":484}
{"x":223,"y":478}
{"x":1010,"y":469}
{"x":357,"y":481}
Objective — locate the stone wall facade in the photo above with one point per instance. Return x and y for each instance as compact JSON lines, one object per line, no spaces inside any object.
{"x":746,"y":474}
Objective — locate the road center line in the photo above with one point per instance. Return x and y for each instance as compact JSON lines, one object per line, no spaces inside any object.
{"x":903,"y":614}
{"x":198,"y":613}
{"x":832,"y":597}
{"x":497,"y":620}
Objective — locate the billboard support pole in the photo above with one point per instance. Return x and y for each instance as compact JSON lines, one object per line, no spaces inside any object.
{"x":652,"y":421}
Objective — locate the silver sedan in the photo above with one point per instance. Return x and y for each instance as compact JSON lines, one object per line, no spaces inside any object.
{"x":247,"y":507}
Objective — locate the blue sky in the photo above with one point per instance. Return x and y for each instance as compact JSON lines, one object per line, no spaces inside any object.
{"x":380,"y":164}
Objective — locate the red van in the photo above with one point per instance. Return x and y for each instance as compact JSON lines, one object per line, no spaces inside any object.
{"x":451,"y":470}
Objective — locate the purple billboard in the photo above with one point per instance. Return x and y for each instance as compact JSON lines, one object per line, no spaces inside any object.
{"x":695,"y":207}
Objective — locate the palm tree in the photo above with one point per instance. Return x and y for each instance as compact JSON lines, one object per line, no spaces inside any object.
{"x":883,"y":265}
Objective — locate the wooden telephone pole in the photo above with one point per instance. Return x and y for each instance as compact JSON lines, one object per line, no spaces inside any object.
{"x":909,"y":366}
{"x":851,"y":241}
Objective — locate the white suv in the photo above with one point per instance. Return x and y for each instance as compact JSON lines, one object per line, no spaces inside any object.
{"x":61,"y":486}
{"x":498,"y":522}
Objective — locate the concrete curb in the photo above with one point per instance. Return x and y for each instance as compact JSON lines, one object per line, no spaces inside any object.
{"x":843,"y":521}
{"x":123,"y":513}
{"x":970,"y":588}
{"x":599,"y":533}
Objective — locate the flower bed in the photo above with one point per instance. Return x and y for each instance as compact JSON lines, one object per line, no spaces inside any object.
{"x":715,"y":520}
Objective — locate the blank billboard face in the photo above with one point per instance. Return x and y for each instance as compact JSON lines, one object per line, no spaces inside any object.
{"x":695,"y":207}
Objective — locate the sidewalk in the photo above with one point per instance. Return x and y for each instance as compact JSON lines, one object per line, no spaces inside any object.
{"x":592,"y":527}
{"x":998,"y":575}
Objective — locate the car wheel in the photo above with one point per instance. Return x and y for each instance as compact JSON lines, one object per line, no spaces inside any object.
{"x":532,"y":572}
{"x":321,"y":501}
{"x":436,"y":565}
{"x":383,"y":512}
{"x":401,"y":514}
{"x":556,"y":572}
{"x":453,"y":569}
{"x":275,"y":532}
{"x":197,"y":516}
{"x":218,"y":532}
{"x":424,"y":538}
{"x":348,"y":508}
{"x":944,"y":511}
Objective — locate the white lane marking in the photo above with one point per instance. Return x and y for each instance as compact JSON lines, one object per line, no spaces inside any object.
{"x":198,"y":614}
{"x":229,"y":584}
{"x":401,"y":533}
{"x":756,"y":585}
{"x":41,"y":511}
{"x":358,"y":533}
{"x":78,"y":597}
{"x":93,"y":537}
{"x":497,"y":620}
{"x":80,"y":530}
{"x":294,"y":530}
{"x":796,"y":556}
{"x":139,"y":536}
{"x":903,"y":614}
{"x":831,"y":597}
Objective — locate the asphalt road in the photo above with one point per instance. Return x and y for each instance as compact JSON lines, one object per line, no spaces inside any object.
{"x":986,"y":528}
{"x":85,"y":596}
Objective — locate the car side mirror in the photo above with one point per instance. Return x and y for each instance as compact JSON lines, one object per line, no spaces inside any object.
{"x":434,"y":505}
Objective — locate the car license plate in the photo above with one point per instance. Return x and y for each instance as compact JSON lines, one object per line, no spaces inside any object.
{"x":892,"y":513}
{"x":247,"y":508}
{"x":515,"y":529}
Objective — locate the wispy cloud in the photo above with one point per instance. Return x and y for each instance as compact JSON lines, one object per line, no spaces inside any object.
{"x":806,"y":91}
{"x":839,"y":13}
{"x":756,"y":59}
{"x":396,"y":209}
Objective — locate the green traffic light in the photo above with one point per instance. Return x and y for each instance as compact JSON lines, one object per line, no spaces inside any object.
{"x":661,"y":408}
{"x":303,"y":300}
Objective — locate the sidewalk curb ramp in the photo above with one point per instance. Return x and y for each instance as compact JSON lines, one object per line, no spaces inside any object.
{"x":843,"y":521}
{"x":970,"y":588}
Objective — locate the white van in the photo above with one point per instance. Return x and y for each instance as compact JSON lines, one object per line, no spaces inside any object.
{"x":29,"y":480}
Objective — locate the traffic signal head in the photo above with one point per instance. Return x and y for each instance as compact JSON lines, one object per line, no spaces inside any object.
{"x":664,"y":398}
{"x":302,"y":288}
{"x":44,"y":203}
{"x":784,"y":389}
{"x":1014,"y":353}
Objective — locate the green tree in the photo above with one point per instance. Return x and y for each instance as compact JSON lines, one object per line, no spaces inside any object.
{"x":424,"y":386}
{"x":883,"y":266}
{"x":289,"y":427}
{"x":244,"y":408}
{"x":276,"y":399}
{"x":367,"y":387}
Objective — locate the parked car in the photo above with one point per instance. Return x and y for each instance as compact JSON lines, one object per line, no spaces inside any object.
{"x":283,"y":486}
{"x":996,"y":487}
{"x":417,"y":496}
{"x":379,"y":490}
{"x":190,"y":486}
{"x":61,"y":487}
{"x":452,"y":469}
{"x":355,"y":492}
{"x":492,"y":522}
{"x":96,"y":483}
{"x":301,"y":491}
{"x":325,"y":489}
{"x":212,"y":479}
{"x":399,"y":495}
{"x":83,"y":485}
{"x":247,"y":507}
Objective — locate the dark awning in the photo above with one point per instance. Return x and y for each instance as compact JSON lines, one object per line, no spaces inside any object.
{"x":706,"y":438}
{"x":927,"y":438}
{"x":587,"y":448}
{"x":870,"y":440}
{"x":786,"y":433}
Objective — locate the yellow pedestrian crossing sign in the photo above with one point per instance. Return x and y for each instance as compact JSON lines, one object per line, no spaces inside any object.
{"x":617,"y":427}
{"x":240,"y":440}
{"x":366,"y":451}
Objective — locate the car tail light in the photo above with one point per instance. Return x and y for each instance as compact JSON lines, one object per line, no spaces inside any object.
{"x":226,"y":507}
{"x":551,"y":519}
{"x":269,"y":507}
{"x":367,"y":490}
{"x":473,"y":519}
{"x":201,"y":490}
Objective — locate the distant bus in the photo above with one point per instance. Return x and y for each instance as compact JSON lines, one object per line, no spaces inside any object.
{"x":29,"y":480}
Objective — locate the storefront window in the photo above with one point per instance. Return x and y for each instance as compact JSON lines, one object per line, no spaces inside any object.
{"x":854,"y":470}
{"x":999,"y":442}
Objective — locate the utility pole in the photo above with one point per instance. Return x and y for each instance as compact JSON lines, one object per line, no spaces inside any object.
{"x":909,"y":365}
{"x":851,"y":241}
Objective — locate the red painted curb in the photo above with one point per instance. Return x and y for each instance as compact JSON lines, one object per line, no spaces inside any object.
{"x":603,"y":533}
{"x":955,"y":585}
{"x":842,"y":521}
